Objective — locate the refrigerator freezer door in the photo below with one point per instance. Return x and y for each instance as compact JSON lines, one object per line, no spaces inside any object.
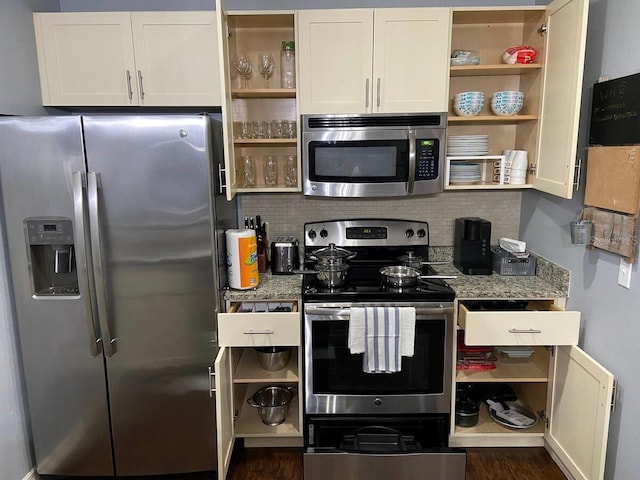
{"x":153,"y":179}
{"x":64,"y":372}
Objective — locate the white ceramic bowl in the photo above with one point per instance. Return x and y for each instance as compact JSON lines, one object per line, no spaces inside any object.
{"x":505,"y":103}
{"x":468,"y":104}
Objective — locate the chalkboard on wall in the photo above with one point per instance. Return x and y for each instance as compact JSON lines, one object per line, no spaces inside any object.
{"x":615,"y":112}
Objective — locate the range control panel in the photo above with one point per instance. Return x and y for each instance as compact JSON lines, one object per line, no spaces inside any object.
{"x":366,"y":232}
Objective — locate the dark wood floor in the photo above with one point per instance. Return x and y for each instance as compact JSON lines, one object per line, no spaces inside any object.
{"x":482,"y":464}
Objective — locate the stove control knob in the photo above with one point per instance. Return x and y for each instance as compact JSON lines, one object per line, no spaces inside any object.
{"x":377,"y":402}
{"x":409,"y":232}
{"x":312,"y":234}
{"x":324,"y":233}
{"x":421,"y":233}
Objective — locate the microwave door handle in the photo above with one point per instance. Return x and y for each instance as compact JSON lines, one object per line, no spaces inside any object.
{"x":411,"y":137}
{"x":81,"y":246}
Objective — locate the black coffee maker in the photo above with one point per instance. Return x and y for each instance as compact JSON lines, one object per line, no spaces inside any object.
{"x":472,"y":246}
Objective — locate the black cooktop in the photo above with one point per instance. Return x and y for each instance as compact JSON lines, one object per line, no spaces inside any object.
{"x":374,"y":289}
{"x":376,"y":243}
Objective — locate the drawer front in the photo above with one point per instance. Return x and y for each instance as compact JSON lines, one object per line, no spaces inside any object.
{"x":519,"y":327}
{"x":259,"y":329}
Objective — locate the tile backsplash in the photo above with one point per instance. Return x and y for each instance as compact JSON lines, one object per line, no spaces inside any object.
{"x":287,"y":213}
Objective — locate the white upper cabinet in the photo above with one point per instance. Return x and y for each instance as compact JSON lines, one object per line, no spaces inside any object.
{"x":566,"y":30}
{"x":128,"y":59}
{"x":176,"y":58}
{"x":391,"y":60}
{"x":547,"y":125}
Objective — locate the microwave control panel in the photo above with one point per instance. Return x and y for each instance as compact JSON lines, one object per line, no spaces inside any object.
{"x":427,"y":158}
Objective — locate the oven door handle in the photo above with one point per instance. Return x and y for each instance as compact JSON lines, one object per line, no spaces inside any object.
{"x":345,"y":312}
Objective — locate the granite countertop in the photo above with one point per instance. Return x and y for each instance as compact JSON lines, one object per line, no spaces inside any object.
{"x":551,"y":281}
{"x":270,"y":287}
{"x":499,"y":286}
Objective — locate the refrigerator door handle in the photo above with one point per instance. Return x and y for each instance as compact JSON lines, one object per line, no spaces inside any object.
{"x":93,"y":180}
{"x":79,"y":210}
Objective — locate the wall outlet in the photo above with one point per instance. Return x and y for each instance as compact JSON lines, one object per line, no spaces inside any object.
{"x":624,"y":274}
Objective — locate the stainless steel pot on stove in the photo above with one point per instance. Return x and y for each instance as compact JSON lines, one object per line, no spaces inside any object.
{"x":331,"y":255}
{"x":401,"y":276}
{"x":329,"y":275}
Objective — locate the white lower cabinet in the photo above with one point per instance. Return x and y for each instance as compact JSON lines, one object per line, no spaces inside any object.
{"x":238,"y":375}
{"x":570,"y":393}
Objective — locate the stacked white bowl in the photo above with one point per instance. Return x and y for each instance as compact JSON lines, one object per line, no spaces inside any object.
{"x":506,"y":102}
{"x":468,"y":104}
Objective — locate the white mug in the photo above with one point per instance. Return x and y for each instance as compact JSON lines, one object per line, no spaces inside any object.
{"x":519,"y":160}
{"x":517,"y":180}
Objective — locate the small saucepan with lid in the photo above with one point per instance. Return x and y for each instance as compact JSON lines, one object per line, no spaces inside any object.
{"x":410,"y":259}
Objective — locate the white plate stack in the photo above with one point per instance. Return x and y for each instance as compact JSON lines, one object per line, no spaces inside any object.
{"x":517,"y":351}
{"x":467,"y":145}
{"x":464,"y":173}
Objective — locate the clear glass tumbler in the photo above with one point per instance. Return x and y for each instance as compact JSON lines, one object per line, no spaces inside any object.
{"x":248,"y":171}
{"x":270,"y":170}
{"x":291,"y":170}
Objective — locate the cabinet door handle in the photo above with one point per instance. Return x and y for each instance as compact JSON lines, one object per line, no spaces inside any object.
{"x":129,"y":85}
{"x":366,"y":94}
{"x":378,"y":92}
{"x":530,"y":330}
{"x":140,"y":85}
{"x":212,"y":389}
{"x":221,"y":178}
{"x":259,"y":332}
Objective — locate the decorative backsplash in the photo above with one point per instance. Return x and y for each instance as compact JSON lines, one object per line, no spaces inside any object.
{"x":287,"y":213}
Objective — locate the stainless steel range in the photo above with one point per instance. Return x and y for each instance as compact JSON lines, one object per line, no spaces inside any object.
{"x":368,"y":407}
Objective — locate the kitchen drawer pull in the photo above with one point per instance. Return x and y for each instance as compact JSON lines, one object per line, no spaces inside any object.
{"x":531,"y":330}
{"x":259,"y":332}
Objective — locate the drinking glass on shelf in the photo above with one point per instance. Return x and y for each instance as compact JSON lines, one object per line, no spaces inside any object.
{"x":246,"y":130}
{"x":276,"y":128}
{"x":270,"y":169}
{"x":248,"y":171}
{"x":288,"y":129}
{"x":291,"y":170}
{"x":244,"y":68}
{"x":265,"y":65}
{"x":259,"y":129}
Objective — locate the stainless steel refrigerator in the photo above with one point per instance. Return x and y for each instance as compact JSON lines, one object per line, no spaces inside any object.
{"x":115,"y":228}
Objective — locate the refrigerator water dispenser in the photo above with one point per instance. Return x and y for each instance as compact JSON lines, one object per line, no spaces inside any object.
{"x":52,"y":260}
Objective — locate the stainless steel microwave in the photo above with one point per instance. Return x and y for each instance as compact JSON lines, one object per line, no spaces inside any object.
{"x":373,"y":155}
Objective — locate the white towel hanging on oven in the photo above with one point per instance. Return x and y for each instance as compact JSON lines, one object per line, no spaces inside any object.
{"x":384,"y":335}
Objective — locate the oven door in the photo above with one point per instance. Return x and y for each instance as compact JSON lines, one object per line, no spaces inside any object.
{"x":335,"y":382}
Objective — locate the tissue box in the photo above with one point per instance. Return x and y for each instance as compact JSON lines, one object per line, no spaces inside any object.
{"x":506,"y":263}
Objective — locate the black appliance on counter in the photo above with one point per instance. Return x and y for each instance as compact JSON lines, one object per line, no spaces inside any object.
{"x":376,"y":425}
{"x":472,"y":246}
